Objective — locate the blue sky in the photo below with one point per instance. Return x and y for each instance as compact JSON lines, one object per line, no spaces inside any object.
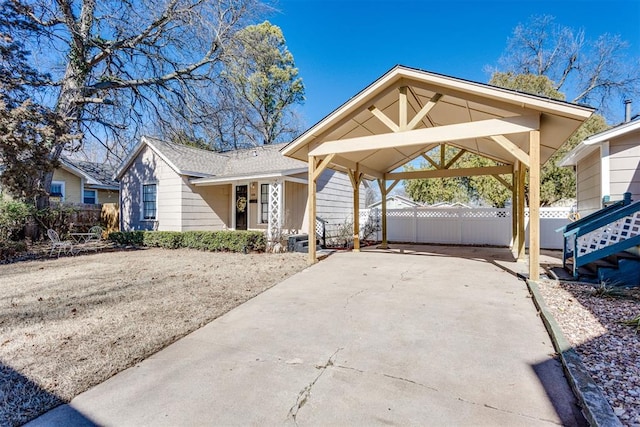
{"x":340,"y":47}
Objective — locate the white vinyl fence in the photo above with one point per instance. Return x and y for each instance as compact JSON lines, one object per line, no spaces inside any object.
{"x":461,"y":226}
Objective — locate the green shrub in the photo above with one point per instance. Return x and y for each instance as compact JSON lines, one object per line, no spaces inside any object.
{"x":129,"y":238}
{"x":13,"y":218}
{"x":163,"y":239}
{"x":214,"y":241}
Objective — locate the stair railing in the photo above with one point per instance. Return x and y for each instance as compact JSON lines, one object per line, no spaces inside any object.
{"x":321,"y":230}
{"x":603,"y":233}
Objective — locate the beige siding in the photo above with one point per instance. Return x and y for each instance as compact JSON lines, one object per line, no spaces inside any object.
{"x":205,"y":208}
{"x":150,"y":168}
{"x":624,"y":164}
{"x":72,"y":185}
{"x":108,"y":196}
{"x":588,"y":184}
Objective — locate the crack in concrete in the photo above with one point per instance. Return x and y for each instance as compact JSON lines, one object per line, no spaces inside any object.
{"x":486,"y":405}
{"x":410,"y":381}
{"x":350,"y":297}
{"x":407,"y":380}
{"x":305,"y":393}
{"x":349,"y":368}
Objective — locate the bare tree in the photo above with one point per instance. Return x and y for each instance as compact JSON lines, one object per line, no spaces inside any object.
{"x":117,"y":66}
{"x":587,"y":71}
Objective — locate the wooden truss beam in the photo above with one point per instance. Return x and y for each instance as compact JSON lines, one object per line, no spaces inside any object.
{"x":455,"y":158}
{"x":430,"y":160}
{"x":460,"y":131}
{"x":503,"y":182}
{"x":384,"y":118}
{"x":450,"y":173}
{"x":512,"y":148}
{"x":424,"y":111}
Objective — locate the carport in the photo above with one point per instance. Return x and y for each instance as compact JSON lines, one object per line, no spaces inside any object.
{"x":408,"y":112}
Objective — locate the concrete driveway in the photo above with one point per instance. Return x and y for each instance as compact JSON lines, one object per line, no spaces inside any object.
{"x":434,"y":336}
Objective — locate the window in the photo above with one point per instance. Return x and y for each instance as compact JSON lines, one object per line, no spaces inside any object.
{"x":264,"y":203}
{"x":149,"y":200}
{"x":90,"y":197}
{"x":57,"y":189}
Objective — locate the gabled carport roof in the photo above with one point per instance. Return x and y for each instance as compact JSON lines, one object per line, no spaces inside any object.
{"x":408,"y":111}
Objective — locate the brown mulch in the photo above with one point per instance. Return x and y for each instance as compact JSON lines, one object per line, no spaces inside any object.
{"x":68,"y":324}
{"x":591,"y":319}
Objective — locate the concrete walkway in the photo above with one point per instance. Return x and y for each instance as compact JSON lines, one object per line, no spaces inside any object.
{"x":441,"y":336}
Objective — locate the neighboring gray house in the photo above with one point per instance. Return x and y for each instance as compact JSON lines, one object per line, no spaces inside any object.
{"x":607,"y":165}
{"x":395,"y":201}
{"x":173,"y":187}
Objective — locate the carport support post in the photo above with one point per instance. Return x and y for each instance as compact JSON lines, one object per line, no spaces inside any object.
{"x":311,"y":202}
{"x":520,"y":220}
{"x":534,"y":205}
{"x":514,"y":207}
{"x":356,"y":179}
{"x":383,"y":191}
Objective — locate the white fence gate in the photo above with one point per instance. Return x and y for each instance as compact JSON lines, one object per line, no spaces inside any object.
{"x":462,"y":226}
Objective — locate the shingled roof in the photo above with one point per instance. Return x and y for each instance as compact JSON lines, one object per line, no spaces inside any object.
{"x":99,"y":175}
{"x":199,"y":163}
{"x":263,"y":159}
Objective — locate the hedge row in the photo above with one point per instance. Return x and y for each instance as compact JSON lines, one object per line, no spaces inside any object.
{"x":218,"y":241}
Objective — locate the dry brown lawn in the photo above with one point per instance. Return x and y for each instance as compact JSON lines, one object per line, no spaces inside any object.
{"x":70,"y":323}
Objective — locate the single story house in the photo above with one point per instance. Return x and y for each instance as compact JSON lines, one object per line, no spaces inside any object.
{"x":607,"y":165}
{"x":174,"y":187}
{"x":80,"y":182}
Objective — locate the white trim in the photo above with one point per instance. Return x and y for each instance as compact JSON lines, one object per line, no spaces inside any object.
{"x":605,"y":171}
{"x":590,"y":144}
{"x":63,"y":189}
{"x":250,"y":177}
{"x":612,"y":133}
{"x":64,"y":164}
{"x":142,"y":185}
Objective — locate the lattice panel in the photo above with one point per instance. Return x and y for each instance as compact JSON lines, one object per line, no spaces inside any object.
{"x":557,"y":213}
{"x":319,"y":227}
{"x":486,"y":213}
{"x":400,"y":214}
{"x":610,"y":234}
{"x":274,"y":230}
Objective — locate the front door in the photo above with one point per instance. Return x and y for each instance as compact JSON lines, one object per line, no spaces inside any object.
{"x":241,"y":207}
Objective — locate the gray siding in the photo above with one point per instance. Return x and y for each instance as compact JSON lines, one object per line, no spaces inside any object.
{"x":334,"y":201}
{"x":588,"y":177}
{"x":150,"y":168}
{"x":624,"y":164}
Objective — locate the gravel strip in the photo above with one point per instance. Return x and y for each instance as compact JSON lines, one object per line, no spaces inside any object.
{"x":609,"y":349}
